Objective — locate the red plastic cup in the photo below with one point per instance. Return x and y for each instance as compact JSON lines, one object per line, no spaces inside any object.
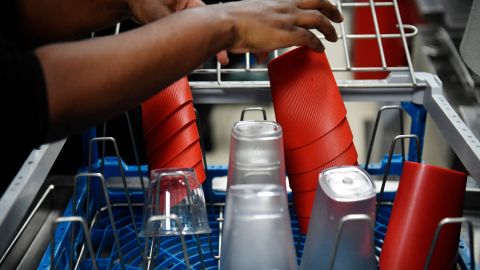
{"x":167,"y":151}
{"x":169,"y":127}
{"x":187,"y":158}
{"x":305,"y":96}
{"x":305,"y":185}
{"x":309,"y":180}
{"x":172,"y":123}
{"x":321,"y":151}
{"x":426,"y":195}
{"x":164,"y":103}
{"x":304,"y":199}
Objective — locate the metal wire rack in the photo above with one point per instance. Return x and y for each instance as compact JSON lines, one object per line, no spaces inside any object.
{"x":218,"y":78}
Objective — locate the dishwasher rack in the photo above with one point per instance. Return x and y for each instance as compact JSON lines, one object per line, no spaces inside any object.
{"x":419,"y":94}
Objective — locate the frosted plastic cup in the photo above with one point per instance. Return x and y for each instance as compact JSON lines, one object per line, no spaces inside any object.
{"x":426,"y":195}
{"x":257,"y":232}
{"x":176,"y":192}
{"x":321,"y":151}
{"x":165,"y":103}
{"x":256,"y":148}
{"x":342,"y":191}
{"x":305,"y":96}
{"x":257,"y":175}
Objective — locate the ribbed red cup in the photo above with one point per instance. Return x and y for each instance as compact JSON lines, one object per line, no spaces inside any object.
{"x":305,"y":185}
{"x":426,"y":195}
{"x":307,"y":181}
{"x":189,"y":157}
{"x":185,"y":114}
{"x":162,"y":154}
{"x":321,"y":151}
{"x":305,"y":96}
{"x":164,"y":103}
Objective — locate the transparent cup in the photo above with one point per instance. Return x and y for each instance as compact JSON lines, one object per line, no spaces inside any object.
{"x":174,"y":192}
{"x":257,"y":232}
{"x":256,"y":149}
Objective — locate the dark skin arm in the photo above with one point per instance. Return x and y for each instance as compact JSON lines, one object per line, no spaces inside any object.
{"x":89,"y":81}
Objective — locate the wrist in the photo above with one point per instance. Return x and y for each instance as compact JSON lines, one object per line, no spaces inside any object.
{"x":226,"y":22}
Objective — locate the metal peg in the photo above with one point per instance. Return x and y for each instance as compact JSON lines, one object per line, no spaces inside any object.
{"x":389,"y":163}
{"x":252,"y":109}
{"x":135,"y":151}
{"x":440,"y":226}
{"x":375,"y":128}
{"x":179,"y":229}
{"x":122,"y":173}
{"x":85,"y":232}
{"x":89,"y":177}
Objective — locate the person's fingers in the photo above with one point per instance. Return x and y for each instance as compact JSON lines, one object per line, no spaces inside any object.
{"x":315,"y":19}
{"x":222,"y":57}
{"x":304,"y":37}
{"x":195,"y":3}
{"x":325,"y":6}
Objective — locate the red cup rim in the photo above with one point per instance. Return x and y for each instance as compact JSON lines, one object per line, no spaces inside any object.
{"x":433,"y":167}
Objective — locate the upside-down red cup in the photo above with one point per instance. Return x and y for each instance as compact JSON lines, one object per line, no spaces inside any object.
{"x":171,"y":124}
{"x":305,"y":96}
{"x":426,"y":195}
{"x":167,"y":151}
{"x":307,"y":181}
{"x":154,"y":141}
{"x":164,"y":103}
{"x":305,"y":185}
{"x":191,"y":157}
{"x":321,"y":151}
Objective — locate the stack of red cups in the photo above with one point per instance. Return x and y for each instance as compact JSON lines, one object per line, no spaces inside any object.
{"x":170,"y":130}
{"x":311,"y":111}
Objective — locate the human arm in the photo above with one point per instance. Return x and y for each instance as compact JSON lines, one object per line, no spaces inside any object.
{"x":93,"y":80}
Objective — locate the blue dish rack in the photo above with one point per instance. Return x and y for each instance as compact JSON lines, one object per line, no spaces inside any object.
{"x":170,"y":255}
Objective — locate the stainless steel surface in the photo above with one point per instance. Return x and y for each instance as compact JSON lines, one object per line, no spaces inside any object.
{"x":18,"y":198}
{"x":33,"y":234}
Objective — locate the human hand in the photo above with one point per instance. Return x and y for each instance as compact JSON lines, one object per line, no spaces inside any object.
{"x":146,"y":11}
{"x":261,"y":26}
